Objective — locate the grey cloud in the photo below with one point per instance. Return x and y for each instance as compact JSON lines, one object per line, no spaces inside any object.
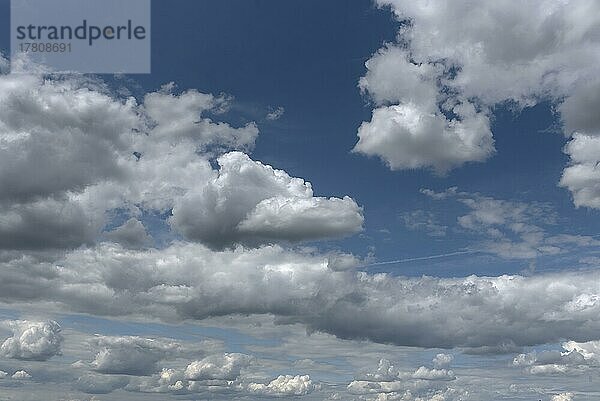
{"x":68,"y":146}
{"x":100,"y":384}
{"x":131,"y":355}
{"x":188,"y":281}
{"x":252,"y":203}
{"x":131,"y":234}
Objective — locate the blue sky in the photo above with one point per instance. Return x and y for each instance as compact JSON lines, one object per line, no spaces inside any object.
{"x":450,"y":254}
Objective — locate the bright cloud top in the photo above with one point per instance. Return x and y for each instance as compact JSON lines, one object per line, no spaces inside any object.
{"x":434,"y":88}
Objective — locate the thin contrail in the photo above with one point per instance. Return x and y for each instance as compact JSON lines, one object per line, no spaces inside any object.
{"x":443,"y":255}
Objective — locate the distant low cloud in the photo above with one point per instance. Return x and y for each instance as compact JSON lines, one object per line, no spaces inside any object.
{"x":284,"y":385}
{"x":388,"y":382}
{"x":32,"y":340}
{"x":131,"y":355}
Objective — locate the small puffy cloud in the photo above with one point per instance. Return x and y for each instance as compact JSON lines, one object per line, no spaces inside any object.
{"x":406,"y":136}
{"x":249,"y":202}
{"x":275,"y":113}
{"x":131,"y":355}
{"x":217,"y":367}
{"x":32,"y":340}
{"x":442,"y":361}
{"x":388,"y":382}
{"x":284,"y":386}
{"x":563,"y":397}
{"x":582,"y":176}
{"x":216,"y":373}
{"x":21,"y":375}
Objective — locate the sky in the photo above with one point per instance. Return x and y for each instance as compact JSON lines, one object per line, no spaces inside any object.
{"x":328,"y":200}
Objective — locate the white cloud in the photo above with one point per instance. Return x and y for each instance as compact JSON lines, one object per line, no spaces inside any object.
{"x":284,"y":385}
{"x":217,"y":367}
{"x":407,"y":136}
{"x":391,"y":383}
{"x":448,"y":53}
{"x":582,"y":176}
{"x":442,"y":361}
{"x":221,"y":373}
{"x":563,"y":397}
{"x":575,"y":358}
{"x":21,"y":375}
{"x":31,"y":340}
{"x":179,"y":117}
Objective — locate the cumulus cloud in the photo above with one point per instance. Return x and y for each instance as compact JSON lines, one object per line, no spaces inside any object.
{"x":406,"y":136}
{"x":217,"y":367}
{"x":32,"y":340}
{"x":442,"y":361}
{"x":214,"y":373}
{"x":21,"y":375}
{"x":131,"y":355}
{"x":249,"y":202}
{"x":448,"y":53}
{"x":284,"y":386}
{"x":72,"y":153}
{"x":575,"y":358}
{"x":388,"y":382}
{"x":582,"y":176}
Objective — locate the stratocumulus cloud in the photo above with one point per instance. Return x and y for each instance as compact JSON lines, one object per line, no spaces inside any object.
{"x":191,"y":281}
